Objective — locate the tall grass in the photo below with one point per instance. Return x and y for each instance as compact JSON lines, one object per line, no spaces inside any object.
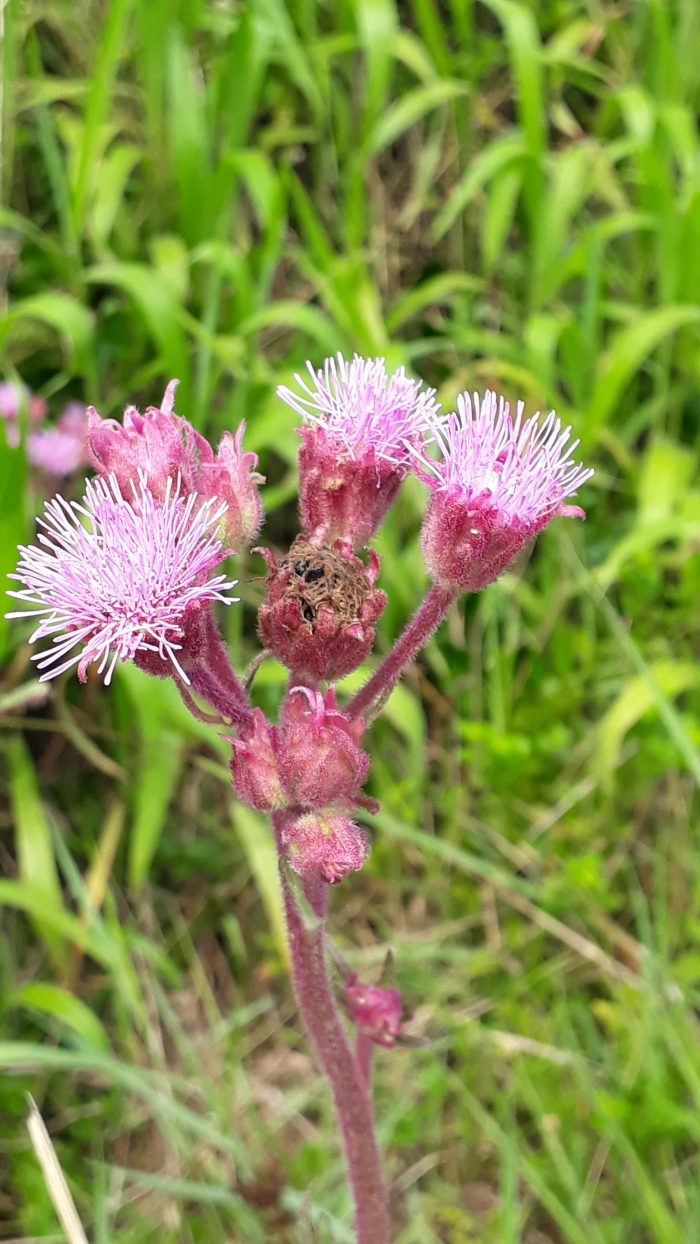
{"x":499,"y":193}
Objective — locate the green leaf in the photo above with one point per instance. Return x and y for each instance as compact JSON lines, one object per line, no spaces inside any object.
{"x":154,"y":298}
{"x":497,"y":156}
{"x":98,"y":99}
{"x":115,"y":170}
{"x":377,"y":23}
{"x":33,"y":844}
{"x":437,"y":289}
{"x":68,"y":317}
{"x":637,"y":698}
{"x":630,"y":348}
{"x":62,"y":1005}
{"x":667,"y":470}
{"x":410,"y":109}
{"x":255,"y":836}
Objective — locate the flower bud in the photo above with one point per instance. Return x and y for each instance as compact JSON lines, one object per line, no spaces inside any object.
{"x":321,"y":610}
{"x":232,"y":477}
{"x":377,"y":1013}
{"x":254,"y":767}
{"x":320,"y":758}
{"x":466,"y":544}
{"x":325,"y":842}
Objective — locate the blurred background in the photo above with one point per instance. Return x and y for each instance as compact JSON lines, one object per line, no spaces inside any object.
{"x":500,"y":194}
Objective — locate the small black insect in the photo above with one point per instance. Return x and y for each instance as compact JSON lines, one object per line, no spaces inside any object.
{"x":313,"y":575}
{"x":300,"y":567}
{"x":307,"y":611}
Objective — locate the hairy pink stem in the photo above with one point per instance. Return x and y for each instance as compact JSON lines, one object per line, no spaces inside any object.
{"x":425,"y":620}
{"x":363,"y":1057}
{"x":208,"y":667}
{"x":349,"y":1088}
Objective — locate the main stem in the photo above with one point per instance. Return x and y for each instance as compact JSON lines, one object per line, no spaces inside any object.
{"x":348,"y":1085}
{"x":427,"y":618}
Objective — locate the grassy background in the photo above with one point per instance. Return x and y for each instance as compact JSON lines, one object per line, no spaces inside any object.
{"x":503,"y":193}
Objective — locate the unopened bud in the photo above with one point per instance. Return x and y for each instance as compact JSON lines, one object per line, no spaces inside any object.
{"x":254,"y":766}
{"x":325,"y":842}
{"x":320,"y":758}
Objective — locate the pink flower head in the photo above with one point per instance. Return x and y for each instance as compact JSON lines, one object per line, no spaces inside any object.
{"x":166,"y":449}
{"x":321,"y":609}
{"x":121,"y":579}
{"x":10,"y":400}
{"x":10,"y":403}
{"x":320,"y":758}
{"x":61,"y":450}
{"x":254,"y":766}
{"x":355,"y":445}
{"x":377,"y":1013}
{"x":495,"y":484}
{"x":325,"y":842}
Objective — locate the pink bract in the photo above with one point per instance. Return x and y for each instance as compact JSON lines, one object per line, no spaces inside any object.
{"x":495,"y":483}
{"x":254,"y":766}
{"x":326,"y":629}
{"x":119,"y":578}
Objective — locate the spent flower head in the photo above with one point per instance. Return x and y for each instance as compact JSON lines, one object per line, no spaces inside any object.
{"x":360,"y":426}
{"x":119,"y":578}
{"x":496,"y":481}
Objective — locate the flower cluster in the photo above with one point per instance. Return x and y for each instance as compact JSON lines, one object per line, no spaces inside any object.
{"x":128,"y":574}
{"x":60,"y":450}
{"x":133,"y":572}
{"x":313,"y":766}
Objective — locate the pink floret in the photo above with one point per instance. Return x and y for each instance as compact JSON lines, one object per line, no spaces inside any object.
{"x":524,"y":466}
{"x":118,"y":578}
{"x":359,"y":406}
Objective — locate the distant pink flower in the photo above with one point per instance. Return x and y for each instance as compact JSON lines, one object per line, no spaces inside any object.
{"x":355,"y":445}
{"x":119,"y":578}
{"x":61,"y":450}
{"x":495,"y":483}
{"x":378,"y":1013}
{"x":10,"y":400}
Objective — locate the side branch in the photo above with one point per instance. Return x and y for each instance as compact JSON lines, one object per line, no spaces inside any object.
{"x":427,"y":618}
